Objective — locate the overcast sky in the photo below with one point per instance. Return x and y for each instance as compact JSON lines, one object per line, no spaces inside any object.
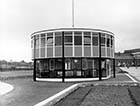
{"x":20,"y":18}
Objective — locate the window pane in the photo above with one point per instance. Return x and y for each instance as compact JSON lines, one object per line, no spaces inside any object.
{"x":58,"y":33}
{"x":49,"y":39}
{"x":84,"y":64}
{"x":68,"y":40}
{"x":102,"y":41}
{"x":90,"y":64}
{"x":50,"y":34}
{"x":111,"y":41}
{"x":108,"y":42}
{"x":68,"y":33}
{"x":37,"y":43}
{"x":43,"y":42}
{"x":78,"y":40}
{"x":87,"y":40}
{"x":86,"y":33}
{"x":67,"y":64}
{"x":51,"y":64}
{"x":58,"y":64}
{"x":78,"y":33}
{"x":95,"y":41}
{"x":77,"y":64}
{"x":58,"y":40}
{"x":42,"y":35}
{"x":95,"y":34}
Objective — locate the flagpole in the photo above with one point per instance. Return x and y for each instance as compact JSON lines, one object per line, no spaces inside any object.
{"x":73,"y":13}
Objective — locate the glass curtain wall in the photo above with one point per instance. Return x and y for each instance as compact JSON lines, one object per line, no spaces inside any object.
{"x":77,"y":66}
{"x":74,"y":68}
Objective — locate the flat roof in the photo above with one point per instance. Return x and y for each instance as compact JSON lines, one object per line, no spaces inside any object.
{"x":58,"y":29}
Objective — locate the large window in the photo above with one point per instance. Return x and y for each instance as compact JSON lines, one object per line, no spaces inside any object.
{"x":84,"y":64}
{"x":58,"y":38}
{"x":37,"y":41}
{"x":49,"y":39}
{"x":58,"y":64}
{"x":95,"y":41}
{"x":77,"y":64}
{"x":67,"y":64}
{"x":87,"y":38}
{"x":111,"y":41}
{"x":77,"y":40}
{"x":108,"y":42}
{"x":103,"y":39}
{"x":68,"y":38}
{"x":51,"y":64}
{"x":95,"y":38}
{"x":42,"y":40}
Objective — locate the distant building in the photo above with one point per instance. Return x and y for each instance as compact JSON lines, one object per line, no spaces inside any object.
{"x":128,"y":58}
{"x":72,"y":53}
{"x":5,"y":66}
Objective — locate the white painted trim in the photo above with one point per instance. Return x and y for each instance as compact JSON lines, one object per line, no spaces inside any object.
{"x":70,"y":79}
{"x":131,"y":77}
{"x":48,"y":100}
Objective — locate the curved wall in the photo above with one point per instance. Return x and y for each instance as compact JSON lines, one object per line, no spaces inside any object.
{"x":78,"y":43}
{"x":81,"y":52}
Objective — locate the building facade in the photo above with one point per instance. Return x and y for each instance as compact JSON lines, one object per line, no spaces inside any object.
{"x":129,"y":58}
{"x":72,"y":53}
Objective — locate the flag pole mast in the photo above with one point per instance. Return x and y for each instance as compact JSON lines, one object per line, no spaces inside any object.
{"x":73,"y":13}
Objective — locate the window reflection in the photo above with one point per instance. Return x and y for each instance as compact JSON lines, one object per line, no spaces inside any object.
{"x":87,"y":40}
{"x":49,"y":39}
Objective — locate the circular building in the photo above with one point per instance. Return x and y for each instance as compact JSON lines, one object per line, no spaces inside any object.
{"x":72,"y":54}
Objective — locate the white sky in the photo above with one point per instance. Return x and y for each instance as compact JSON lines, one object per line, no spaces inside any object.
{"x":20,"y":18}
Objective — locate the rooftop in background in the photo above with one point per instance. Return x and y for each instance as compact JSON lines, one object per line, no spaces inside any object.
{"x":132,"y":51}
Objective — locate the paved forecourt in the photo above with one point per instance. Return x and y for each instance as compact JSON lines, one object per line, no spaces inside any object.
{"x":27,"y":92}
{"x":121,"y":79}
